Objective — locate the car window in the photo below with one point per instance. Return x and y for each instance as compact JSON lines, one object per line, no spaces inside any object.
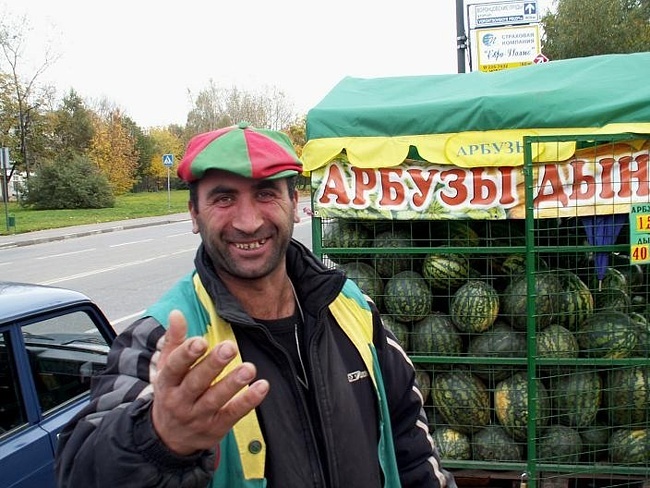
{"x":12,"y":407}
{"x":64,"y":353}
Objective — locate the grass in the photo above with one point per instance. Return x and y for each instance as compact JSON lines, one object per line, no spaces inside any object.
{"x":129,"y":206}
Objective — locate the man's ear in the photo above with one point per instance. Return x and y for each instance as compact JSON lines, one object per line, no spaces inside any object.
{"x":296,"y":198}
{"x":193,"y":214}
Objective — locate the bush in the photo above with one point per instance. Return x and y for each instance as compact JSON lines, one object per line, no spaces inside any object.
{"x":67,"y":185}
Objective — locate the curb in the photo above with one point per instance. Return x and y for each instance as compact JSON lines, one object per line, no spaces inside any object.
{"x":66,"y":232}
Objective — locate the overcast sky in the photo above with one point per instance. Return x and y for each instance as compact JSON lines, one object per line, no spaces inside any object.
{"x":144,"y":55}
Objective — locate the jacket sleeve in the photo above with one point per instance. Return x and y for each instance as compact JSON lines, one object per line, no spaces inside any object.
{"x":112,"y":442}
{"x":418,"y":459}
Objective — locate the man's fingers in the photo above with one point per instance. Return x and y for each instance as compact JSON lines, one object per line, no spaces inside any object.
{"x":239,"y":405}
{"x":203,"y":373}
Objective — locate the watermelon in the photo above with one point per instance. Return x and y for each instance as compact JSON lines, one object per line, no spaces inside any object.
{"x":575,"y":301}
{"x":630,"y":446}
{"x":341,"y":233}
{"x":576,"y":397}
{"x":474,"y":306}
{"x":642,"y":329}
{"x":559,"y":444}
{"x":608,"y":334}
{"x":446,"y":271}
{"x":388,"y":265}
{"x":435,"y":335}
{"x":366,"y":278}
{"x":401,"y":330}
{"x":595,"y":439}
{"x":613,"y":279}
{"x":452,"y":444}
{"x":423,"y":381}
{"x":462,"y":400}
{"x":511,"y":405}
{"x":515,"y":299}
{"x":407,"y":296}
{"x":452,"y":233}
{"x":612,"y":299}
{"x":501,"y":341}
{"x":556,"y":342}
{"x":493,"y":443}
{"x":627,"y":395}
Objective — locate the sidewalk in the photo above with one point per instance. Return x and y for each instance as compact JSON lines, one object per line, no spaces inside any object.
{"x":36,"y":237}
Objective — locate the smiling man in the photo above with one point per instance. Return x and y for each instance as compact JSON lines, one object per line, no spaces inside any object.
{"x":262,"y":367}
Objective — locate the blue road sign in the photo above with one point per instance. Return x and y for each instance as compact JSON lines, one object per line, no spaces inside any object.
{"x":168,"y":160}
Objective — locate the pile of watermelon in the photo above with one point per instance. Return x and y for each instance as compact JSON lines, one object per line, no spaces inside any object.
{"x":444,"y":295}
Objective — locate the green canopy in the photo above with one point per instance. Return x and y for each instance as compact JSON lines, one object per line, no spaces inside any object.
{"x":479,"y":118}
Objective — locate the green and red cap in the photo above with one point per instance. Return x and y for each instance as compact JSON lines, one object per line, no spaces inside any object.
{"x":240,"y":149}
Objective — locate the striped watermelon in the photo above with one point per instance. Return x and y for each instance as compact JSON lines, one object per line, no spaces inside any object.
{"x":452,"y":444}
{"x":501,"y":341}
{"x":559,"y":444}
{"x":474,"y":306}
{"x":575,"y":301}
{"x":511,"y":405}
{"x":435,"y":335}
{"x":627,"y":395}
{"x":407,"y":296}
{"x":556,"y":342}
{"x":608,"y":334}
{"x":515,"y":299}
{"x":576,"y":397}
{"x":461,"y":399}
{"x":446,"y":271}
{"x":630,"y":446}
{"x":341,"y":233}
{"x":388,"y":265}
{"x":493,"y":443}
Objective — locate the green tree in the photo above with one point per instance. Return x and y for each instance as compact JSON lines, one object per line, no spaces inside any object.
{"x":578,"y":28}
{"x":75,"y":183}
{"x":72,"y":127}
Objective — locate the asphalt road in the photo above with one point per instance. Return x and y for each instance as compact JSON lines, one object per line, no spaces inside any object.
{"x":123,"y":271}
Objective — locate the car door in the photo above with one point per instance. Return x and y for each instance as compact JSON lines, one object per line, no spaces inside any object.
{"x":54,"y":355}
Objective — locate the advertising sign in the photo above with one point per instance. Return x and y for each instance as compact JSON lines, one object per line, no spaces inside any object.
{"x":502,"y":13}
{"x":590,"y":183}
{"x":506,"y":47}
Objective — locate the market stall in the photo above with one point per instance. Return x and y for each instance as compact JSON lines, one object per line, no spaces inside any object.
{"x":448,"y":198}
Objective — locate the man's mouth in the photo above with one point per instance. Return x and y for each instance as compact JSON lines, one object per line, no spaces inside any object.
{"x":250,"y":245}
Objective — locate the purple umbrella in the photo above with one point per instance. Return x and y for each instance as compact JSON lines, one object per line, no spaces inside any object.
{"x":602,"y":230}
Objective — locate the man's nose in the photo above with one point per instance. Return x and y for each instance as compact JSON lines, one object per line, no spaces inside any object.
{"x":248,"y":217}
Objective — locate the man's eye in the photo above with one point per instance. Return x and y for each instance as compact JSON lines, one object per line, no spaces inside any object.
{"x":222,"y":200}
{"x":266,"y":195}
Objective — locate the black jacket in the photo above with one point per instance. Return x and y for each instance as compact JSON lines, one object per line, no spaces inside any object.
{"x":321,"y":436}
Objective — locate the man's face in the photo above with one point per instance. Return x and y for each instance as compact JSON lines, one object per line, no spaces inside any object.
{"x":245,"y":224}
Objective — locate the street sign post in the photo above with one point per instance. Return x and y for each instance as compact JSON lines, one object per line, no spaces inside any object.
{"x":4,"y":165}
{"x":168,"y":162}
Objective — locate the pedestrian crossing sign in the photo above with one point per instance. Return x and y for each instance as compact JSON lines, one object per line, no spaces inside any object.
{"x":168,"y":160}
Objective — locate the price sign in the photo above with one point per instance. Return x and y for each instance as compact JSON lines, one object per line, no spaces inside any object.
{"x":640,"y":234}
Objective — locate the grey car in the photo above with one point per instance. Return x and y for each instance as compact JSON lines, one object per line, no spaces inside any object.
{"x":52,"y":341}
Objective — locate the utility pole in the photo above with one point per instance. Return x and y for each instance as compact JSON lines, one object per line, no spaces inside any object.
{"x":461,"y":36}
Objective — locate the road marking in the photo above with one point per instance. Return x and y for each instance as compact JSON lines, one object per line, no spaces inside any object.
{"x":65,"y":254}
{"x":126,"y":317}
{"x":181,"y":234}
{"x":113,"y":268}
{"x":129,"y":243}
